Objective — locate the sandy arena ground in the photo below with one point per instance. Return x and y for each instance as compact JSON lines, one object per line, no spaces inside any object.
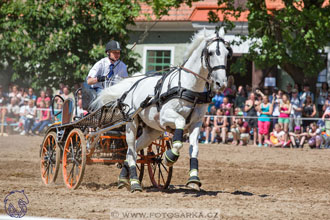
{"x":240,"y":182}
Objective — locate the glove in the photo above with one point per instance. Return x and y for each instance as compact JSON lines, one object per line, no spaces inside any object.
{"x":100,"y":78}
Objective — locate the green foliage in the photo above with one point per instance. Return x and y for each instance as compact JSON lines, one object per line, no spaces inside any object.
{"x":47,"y":42}
{"x":293,"y":37}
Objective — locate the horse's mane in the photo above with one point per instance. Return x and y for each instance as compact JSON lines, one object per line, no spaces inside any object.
{"x":197,"y":39}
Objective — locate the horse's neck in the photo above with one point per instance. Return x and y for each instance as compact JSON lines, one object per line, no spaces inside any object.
{"x":188,"y":80}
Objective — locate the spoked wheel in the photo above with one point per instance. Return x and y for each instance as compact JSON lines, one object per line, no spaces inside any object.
{"x":140,"y":166}
{"x":50,"y":158}
{"x":74,"y":159}
{"x":160,"y":175}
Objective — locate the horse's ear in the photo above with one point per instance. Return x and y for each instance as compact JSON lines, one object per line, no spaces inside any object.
{"x":222,"y":32}
{"x":204,"y":31}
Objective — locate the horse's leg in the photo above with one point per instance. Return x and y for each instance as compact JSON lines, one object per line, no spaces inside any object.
{"x":130,"y":163}
{"x":147,"y":137}
{"x":172,"y":155}
{"x":194,"y":181}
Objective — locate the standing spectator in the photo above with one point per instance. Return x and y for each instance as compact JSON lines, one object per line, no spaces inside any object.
{"x":298,"y":87}
{"x":322,"y":97}
{"x":15,"y":93}
{"x":306,"y":92}
{"x":220,"y":126}
{"x":326,"y":106}
{"x":285,"y":111}
{"x":230,"y":90}
{"x":314,"y":135}
{"x":217,"y":99}
{"x":296,"y":110}
{"x":277,"y":100}
{"x":241,"y":132}
{"x":265,"y":109}
{"x":3,"y":97}
{"x":49,"y":93}
{"x":43,"y":98}
{"x":297,"y":137}
{"x":250,"y":109}
{"x":309,"y":111}
{"x":209,"y":124}
{"x":30,"y":114}
{"x":60,"y":90}
{"x":248,"y":90}
{"x":44,"y":118}
{"x":31,"y":94}
{"x":240,"y":98}
{"x":66,"y":93}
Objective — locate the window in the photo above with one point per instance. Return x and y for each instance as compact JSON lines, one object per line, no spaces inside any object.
{"x":157,"y":59}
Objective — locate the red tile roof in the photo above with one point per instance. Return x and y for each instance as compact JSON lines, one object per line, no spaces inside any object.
{"x":199,"y":11}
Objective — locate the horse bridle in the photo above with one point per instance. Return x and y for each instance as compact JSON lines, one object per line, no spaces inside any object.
{"x":206,"y":55}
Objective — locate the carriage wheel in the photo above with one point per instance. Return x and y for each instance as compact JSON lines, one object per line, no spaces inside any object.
{"x":50,"y":158}
{"x":160,"y":175}
{"x":74,"y":159}
{"x":140,"y":166}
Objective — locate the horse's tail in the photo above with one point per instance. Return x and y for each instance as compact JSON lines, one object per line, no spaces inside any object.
{"x":114,"y":92}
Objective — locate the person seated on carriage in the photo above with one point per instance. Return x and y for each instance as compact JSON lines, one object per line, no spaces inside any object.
{"x":108,"y":70}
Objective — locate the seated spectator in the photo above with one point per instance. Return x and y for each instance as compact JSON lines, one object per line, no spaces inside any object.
{"x":15,"y":93}
{"x":44,"y":118}
{"x":314,"y":135}
{"x":3,"y":97}
{"x":297,"y":138}
{"x":31,"y":94}
{"x":58,"y":111}
{"x":12,"y":111}
{"x":226,"y":106}
{"x":309,"y":111}
{"x":209,"y":124}
{"x":42,"y":97}
{"x":22,"y":118}
{"x":265,"y":109}
{"x":80,"y":111}
{"x":240,"y":131}
{"x":217,"y":100}
{"x":220,"y":126}
{"x":277,"y":137}
{"x":30,"y":114}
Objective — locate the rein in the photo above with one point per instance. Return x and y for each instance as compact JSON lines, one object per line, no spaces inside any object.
{"x":195,"y":74}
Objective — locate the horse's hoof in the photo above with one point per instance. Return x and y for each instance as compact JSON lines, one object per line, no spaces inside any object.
{"x":194,"y":183}
{"x":136,"y":188}
{"x":170,"y":158}
{"x":194,"y":186}
{"x":123,"y":182}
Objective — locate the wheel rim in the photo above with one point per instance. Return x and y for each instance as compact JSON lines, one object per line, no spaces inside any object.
{"x":160,"y":175}
{"x":74,"y":159}
{"x":48,"y":159}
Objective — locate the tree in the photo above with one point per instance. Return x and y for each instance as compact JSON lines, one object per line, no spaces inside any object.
{"x":47,"y":42}
{"x":292,"y":37}
{"x":43,"y":42}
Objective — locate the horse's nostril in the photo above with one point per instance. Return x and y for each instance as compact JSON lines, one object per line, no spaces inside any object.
{"x":218,"y":84}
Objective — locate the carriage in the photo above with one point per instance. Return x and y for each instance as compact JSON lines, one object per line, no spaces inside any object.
{"x":98,"y":137}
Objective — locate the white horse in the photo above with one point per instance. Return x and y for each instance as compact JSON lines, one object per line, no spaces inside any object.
{"x":183,"y":94}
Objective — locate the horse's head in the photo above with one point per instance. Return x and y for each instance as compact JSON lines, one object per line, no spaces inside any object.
{"x":214,"y":58}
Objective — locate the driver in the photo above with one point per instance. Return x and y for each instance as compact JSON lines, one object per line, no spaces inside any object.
{"x":109,"y":69}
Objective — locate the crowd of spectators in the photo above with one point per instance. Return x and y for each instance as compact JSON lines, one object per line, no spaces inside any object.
{"x":237,"y":115}
{"x":268,"y":116}
{"x":27,"y":112}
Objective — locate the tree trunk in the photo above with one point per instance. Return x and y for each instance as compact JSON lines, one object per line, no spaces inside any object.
{"x":298,"y":75}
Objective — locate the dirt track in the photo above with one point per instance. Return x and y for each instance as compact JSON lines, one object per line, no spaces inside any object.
{"x":240,"y":182}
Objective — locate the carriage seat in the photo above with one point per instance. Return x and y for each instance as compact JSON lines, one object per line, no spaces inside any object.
{"x":67,"y":111}
{"x":88,"y":96}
